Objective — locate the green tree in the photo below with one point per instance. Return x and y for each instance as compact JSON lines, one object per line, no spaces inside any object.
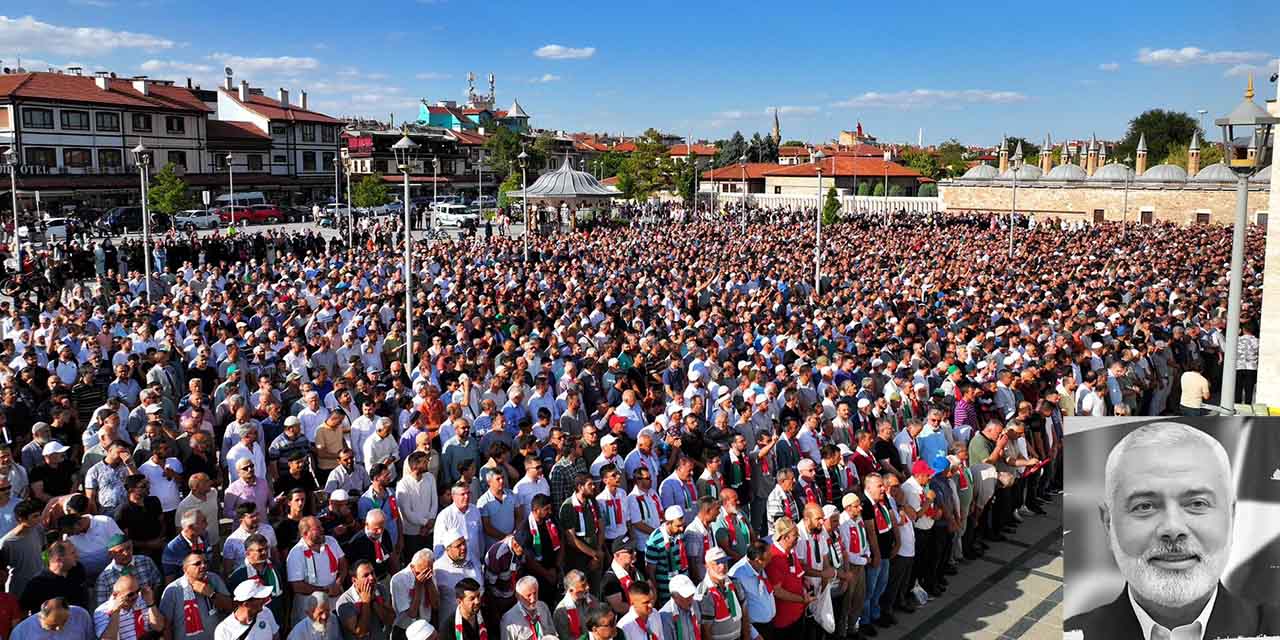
{"x":370,"y":191}
{"x":168,"y":193}
{"x":923,"y":162}
{"x":878,"y":190}
{"x":951,"y":158}
{"x":1209,"y":154}
{"x":864,"y":188}
{"x":1163,"y":129}
{"x":512,"y":183}
{"x":731,"y":150}
{"x":1029,"y":148}
{"x":794,"y":143}
{"x":501,"y":149}
{"x":831,"y":208}
{"x":929,"y":190}
{"x":648,"y":169}
{"x":686,"y":180}
{"x":608,"y":163}
{"x":896,"y":190}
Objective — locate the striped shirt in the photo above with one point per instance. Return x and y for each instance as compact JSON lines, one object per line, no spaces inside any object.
{"x":662,"y":552}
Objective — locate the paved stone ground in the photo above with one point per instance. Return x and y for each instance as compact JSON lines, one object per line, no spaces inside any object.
{"x":1013,"y":592}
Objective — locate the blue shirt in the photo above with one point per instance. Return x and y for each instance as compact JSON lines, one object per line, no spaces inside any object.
{"x":79,"y":627}
{"x":760,"y":601}
{"x":174,"y":553}
{"x":501,"y":513}
{"x":368,"y":503}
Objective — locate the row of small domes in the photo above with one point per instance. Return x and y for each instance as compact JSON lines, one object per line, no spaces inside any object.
{"x":1114,"y":172}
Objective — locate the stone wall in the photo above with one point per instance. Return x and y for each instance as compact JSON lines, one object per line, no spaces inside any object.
{"x":1176,"y":203}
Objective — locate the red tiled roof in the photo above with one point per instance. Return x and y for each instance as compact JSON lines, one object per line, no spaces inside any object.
{"x":611,"y":181}
{"x":847,"y":166}
{"x":624,"y":147}
{"x":858,"y":150}
{"x":755,"y":171}
{"x":275,"y":110}
{"x":467,"y":138}
{"x":698,"y":150}
{"x":235,"y":129}
{"x":791,"y":152}
{"x":453,"y":111}
{"x":82,"y":89}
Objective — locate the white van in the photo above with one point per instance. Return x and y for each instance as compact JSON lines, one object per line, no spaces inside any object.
{"x":246,"y":198}
{"x":455,"y":215}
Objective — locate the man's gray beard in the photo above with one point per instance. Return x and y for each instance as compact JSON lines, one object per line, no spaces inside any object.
{"x":1171,"y":588}
{"x":319,"y":627}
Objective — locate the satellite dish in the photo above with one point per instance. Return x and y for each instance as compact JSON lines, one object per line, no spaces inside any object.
{"x":227,"y":70}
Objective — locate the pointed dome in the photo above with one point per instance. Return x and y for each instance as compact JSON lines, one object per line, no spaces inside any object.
{"x":1164,"y":173}
{"x":515,"y":111}
{"x":1114,"y":172}
{"x":1066,"y":173}
{"x":1142,"y":142}
{"x":1215,"y":173}
{"x":982,"y":171}
{"x":566,"y":182}
{"x":1027,"y":172}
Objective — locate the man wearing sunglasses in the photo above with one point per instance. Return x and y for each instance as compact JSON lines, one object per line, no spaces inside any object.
{"x":197,"y":601}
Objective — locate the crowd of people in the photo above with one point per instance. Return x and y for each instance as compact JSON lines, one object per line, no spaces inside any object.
{"x":659,"y":431}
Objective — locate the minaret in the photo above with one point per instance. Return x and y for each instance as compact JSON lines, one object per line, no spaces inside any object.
{"x":1092,"y":162}
{"x":1102,"y":154}
{"x":1141,"y":167}
{"x":1193,"y":155}
{"x":1004,"y":155}
{"x":1065,"y":156}
{"x":1082,"y":158}
{"x":777,"y":130}
{"x":1046,"y":155}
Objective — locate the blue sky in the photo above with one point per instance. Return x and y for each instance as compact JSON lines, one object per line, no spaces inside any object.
{"x":964,"y":70}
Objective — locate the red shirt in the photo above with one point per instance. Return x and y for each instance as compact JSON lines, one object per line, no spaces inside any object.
{"x":785,"y":571}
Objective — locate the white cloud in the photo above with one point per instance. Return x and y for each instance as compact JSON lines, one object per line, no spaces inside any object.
{"x":544,"y":78}
{"x":930,"y":97}
{"x":731,"y":115}
{"x":1109,"y":66}
{"x":561,"y":52}
{"x":433,"y":75}
{"x":101,"y":4}
{"x":1259,"y":69}
{"x":29,"y":34}
{"x":1196,"y":55}
{"x":793,"y":111}
{"x":243,"y":65}
{"x":152,"y":66}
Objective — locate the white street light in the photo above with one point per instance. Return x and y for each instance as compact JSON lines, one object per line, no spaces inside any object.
{"x":231,"y":186}
{"x":817,"y":242}
{"x":142,"y":157}
{"x":1250,"y":122}
{"x":1017,"y":168}
{"x":404,"y":151}
{"x":435,"y":187}
{"x":524,"y":192}
{"x":745,"y":189}
{"x":11,"y":159}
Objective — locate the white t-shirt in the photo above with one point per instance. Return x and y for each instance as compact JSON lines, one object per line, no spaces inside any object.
{"x":914,"y":494}
{"x":318,"y":570}
{"x":264,"y":628}
{"x":906,"y":532}
{"x":161,"y":487}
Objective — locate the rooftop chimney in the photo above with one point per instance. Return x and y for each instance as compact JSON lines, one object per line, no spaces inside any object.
{"x":284,"y":97}
{"x":75,"y":70}
{"x":304,"y":100}
{"x":101,"y":81}
{"x":244,"y":91}
{"x":140,"y":85}
{"x":227,"y":83}
{"x":188,"y":82}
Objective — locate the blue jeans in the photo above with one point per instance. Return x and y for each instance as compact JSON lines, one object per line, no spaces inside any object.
{"x":877,"y":580}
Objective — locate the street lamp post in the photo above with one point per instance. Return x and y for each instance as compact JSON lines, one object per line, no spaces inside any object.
{"x":743,"y":162}
{"x":435,"y":186}
{"x":1124,"y":211}
{"x":404,"y":151}
{"x":11,"y":159}
{"x":1247,"y":119}
{"x":231,"y":186}
{"x":1017,"y":168}
{"x":142,"y":157}
{"x":817,"y":238}
{"x":351,"y":228}
{"x":524,"y":193}
{"x":888,"y":157}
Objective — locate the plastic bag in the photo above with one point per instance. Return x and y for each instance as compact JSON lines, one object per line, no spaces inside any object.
{"x":823,"y":611}
{"x":920,"y":595}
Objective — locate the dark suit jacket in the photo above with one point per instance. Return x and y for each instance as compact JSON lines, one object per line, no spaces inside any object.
{"x":1231,"y":617}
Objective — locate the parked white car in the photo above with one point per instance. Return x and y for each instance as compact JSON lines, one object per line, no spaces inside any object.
{"x":336,"y":209}
{"x":196,"y":219}
{"x":57,"y":228}
{"x":382,"y":209}
{"x":454,"y":215}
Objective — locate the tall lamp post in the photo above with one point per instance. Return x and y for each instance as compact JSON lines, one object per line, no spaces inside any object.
{"x":524,"y":193}
{"x":142,"y":158}
{"x":1124,"y":211}
{"x":351,"y":229}
{"x":231,"y":186}
{"x":888,"y":157}
{"x":817,"y":238}
{"x":404,"y":150}
{"x":11,"y":159}
{"x":745,"y":189}
{"x":1016,"y":168}
{"x":435,"y":186}
{"x":1251,"y":121}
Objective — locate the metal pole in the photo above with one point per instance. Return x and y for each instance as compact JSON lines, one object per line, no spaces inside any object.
{"x":817,"y":243}
{"x":744,"y":195}
{"x":1124,"y":213}
{"x":408,"y":279}
{"x":524,"y":189}
{"x":146,"y":232}
{"x":231,"y":177}
{"x":351,"y":230}
{"x":1012,"y":209}
{"x":17,"y":244}
{"x":1228,"y":395}
{"x":435,"y":186}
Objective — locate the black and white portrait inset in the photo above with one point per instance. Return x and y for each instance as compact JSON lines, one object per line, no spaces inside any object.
{"x":1172,"y":528}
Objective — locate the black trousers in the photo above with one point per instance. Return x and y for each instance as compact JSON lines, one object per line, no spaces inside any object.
{"x":926,"y":559}
{"x":1246,"y":380}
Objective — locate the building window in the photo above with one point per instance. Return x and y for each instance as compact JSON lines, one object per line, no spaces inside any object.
{"x":1202,"y":217}
{"x":41,"y":157}
{"x":328,"y":134}
{"x":78,"y":158}
{"x":278,"y":159}
{"x":37,"y":118}
{"x":141,"y":122}
{"x":328,"y":161}
{"x":1262,"y":218}
{"x":1148,"y":216}
{"x":110,"y":158}
{"x":75,"y":120}
{"x":255,"y":162}
{"x":308,"y":161}
{"x":777,"y":190}
{"x":308,"y":133}
{"x":175,"y":124}
{"x":1099,"y":215}
{"x":108,"y":121}
{"x":279,"y":129}
{"x":220,"y":161}
{"x":178,"y":158}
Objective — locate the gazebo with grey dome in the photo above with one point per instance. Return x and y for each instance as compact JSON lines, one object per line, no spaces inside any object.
{"x":566,"y":191}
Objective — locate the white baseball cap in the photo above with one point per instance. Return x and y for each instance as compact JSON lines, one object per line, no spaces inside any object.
{"x":673,"y":512}
{"x":52,"y":447}
{"x":682,"y":586}
{"x":419,"y":630}
{"x":252,"y":590}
